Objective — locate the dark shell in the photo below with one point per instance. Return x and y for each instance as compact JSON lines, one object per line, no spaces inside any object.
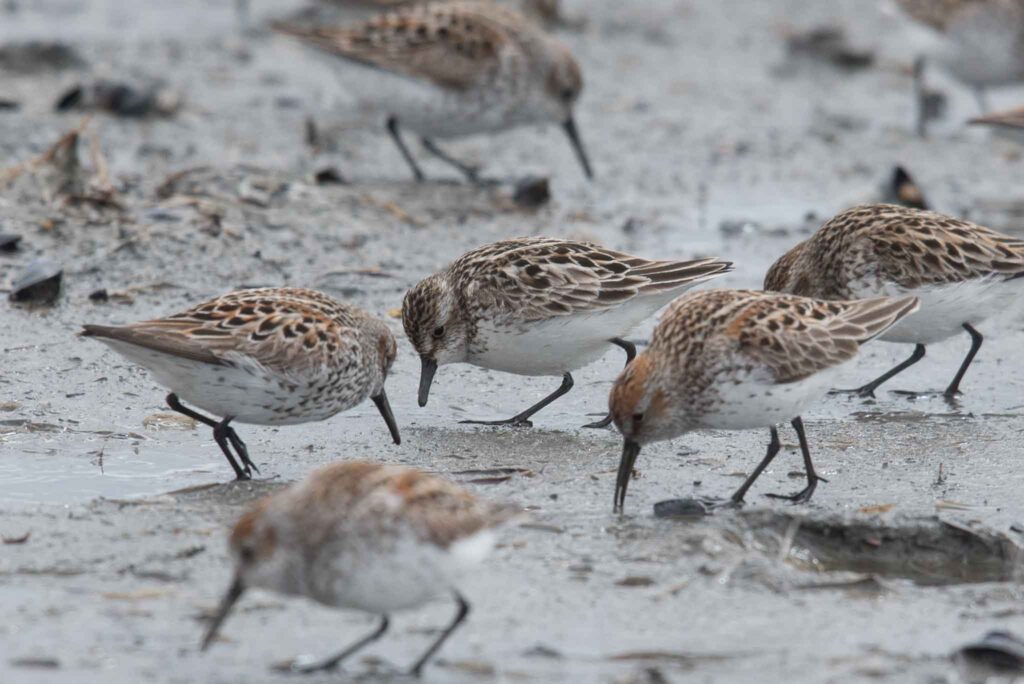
{"x":39,"y":283}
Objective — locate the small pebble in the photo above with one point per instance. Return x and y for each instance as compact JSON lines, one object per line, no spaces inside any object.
{"x":532,"y":192}
{"x":681,"y":508}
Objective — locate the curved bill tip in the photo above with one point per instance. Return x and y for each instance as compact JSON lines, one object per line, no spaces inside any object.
{"x":577,"y":144}
{"x":426,"y":378}
{"x":630,"y":450}
{"x":381,"y":400}
{"x":234,"y":593}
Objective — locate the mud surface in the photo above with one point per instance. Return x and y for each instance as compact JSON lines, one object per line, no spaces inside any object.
{"x":706,"y":139}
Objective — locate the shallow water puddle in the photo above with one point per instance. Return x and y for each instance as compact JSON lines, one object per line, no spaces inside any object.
{"x":927,"y":551}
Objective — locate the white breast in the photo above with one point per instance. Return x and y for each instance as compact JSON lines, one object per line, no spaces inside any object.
{"x":747,"y":400}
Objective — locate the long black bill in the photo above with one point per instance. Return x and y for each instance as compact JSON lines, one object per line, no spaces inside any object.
{"x":234,"y":593}
{"x":577,"y":144}
{"x":630,"y":450}
{"x":426,"y":378}
{"x":381,"y":400}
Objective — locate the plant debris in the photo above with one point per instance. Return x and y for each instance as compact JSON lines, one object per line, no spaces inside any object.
{"x":829,"y":44}
{"x":121,"y":99}
{"x":902,"y":189}
{"x":169,"y":421}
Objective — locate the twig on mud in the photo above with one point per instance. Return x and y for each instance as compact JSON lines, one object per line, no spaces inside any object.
{"x":9,"y":174}
{"x":16,"y":540}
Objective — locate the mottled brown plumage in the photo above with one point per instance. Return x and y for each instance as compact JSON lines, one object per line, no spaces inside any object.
{"x":962,"y":272}
{"x":451,"y":69}
{"x":740,"y":359}
{"x":437,"y":510}
{"x":287,"y":330}
{"x":941,"y":14}
{"x":539,"y":306}
{"x":706,"y":336}
{"x":861,"y":250}
{"x":367,"y":536}
{"x":273,"y":356}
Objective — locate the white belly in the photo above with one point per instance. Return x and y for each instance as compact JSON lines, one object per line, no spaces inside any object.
{"x":386,"y":577}
{"x":428,"y":110}
{"x":561,"y":344}
{"x":753,"y":400}
{"x":945,"y":309}
{"x":248,"y":392}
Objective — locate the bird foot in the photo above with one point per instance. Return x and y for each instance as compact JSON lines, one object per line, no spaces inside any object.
{"x":603,"y":423}
{"x":803,"y":496}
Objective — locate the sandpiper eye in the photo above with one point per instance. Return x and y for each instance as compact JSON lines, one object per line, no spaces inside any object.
{"x":438,"y":332}
{"x":246,"y":554}
{"x":637,"y":418}
{"x":568,"y":94}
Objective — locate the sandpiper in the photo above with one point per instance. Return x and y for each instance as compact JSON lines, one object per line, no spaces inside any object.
{"x":979,"y":42}
{"x":740,"y":359}
{"x":273,"y":356}
{"x":963,"y":273}
{"x":539,"y":306}
{"x":453,"y":69}
{"x":365,"y":536}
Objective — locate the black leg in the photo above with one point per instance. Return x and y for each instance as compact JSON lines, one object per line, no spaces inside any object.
{"x":226,"y":433}
{"x":397,"y":137}
{"x":333,"y":662}
{"x":920,"y":97}
{"x":523,"y":419}
{"x":868,"y":390}
{"x":773,"y":449}
{"x":981,"y":97}
{"x":470,"y":172}
{"x":221,"y":432}
{"x":240,"y":449}
{"x":976,"y":340}
{"x":463,"y":611}
{"x":630,"y":350}
{"x":805,"y":494}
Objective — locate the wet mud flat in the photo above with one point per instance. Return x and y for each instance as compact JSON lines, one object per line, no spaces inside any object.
{"x":114,"y":512}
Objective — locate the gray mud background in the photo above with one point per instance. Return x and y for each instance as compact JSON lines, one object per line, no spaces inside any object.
{"x":706,"y":139}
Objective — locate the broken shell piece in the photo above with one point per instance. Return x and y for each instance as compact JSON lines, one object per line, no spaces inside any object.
{"x":998,"y":654}
{"x":681,"y":508}
{"x":532,"y":192}
{"x":9,"y":242}
{"x":39,"y":283}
